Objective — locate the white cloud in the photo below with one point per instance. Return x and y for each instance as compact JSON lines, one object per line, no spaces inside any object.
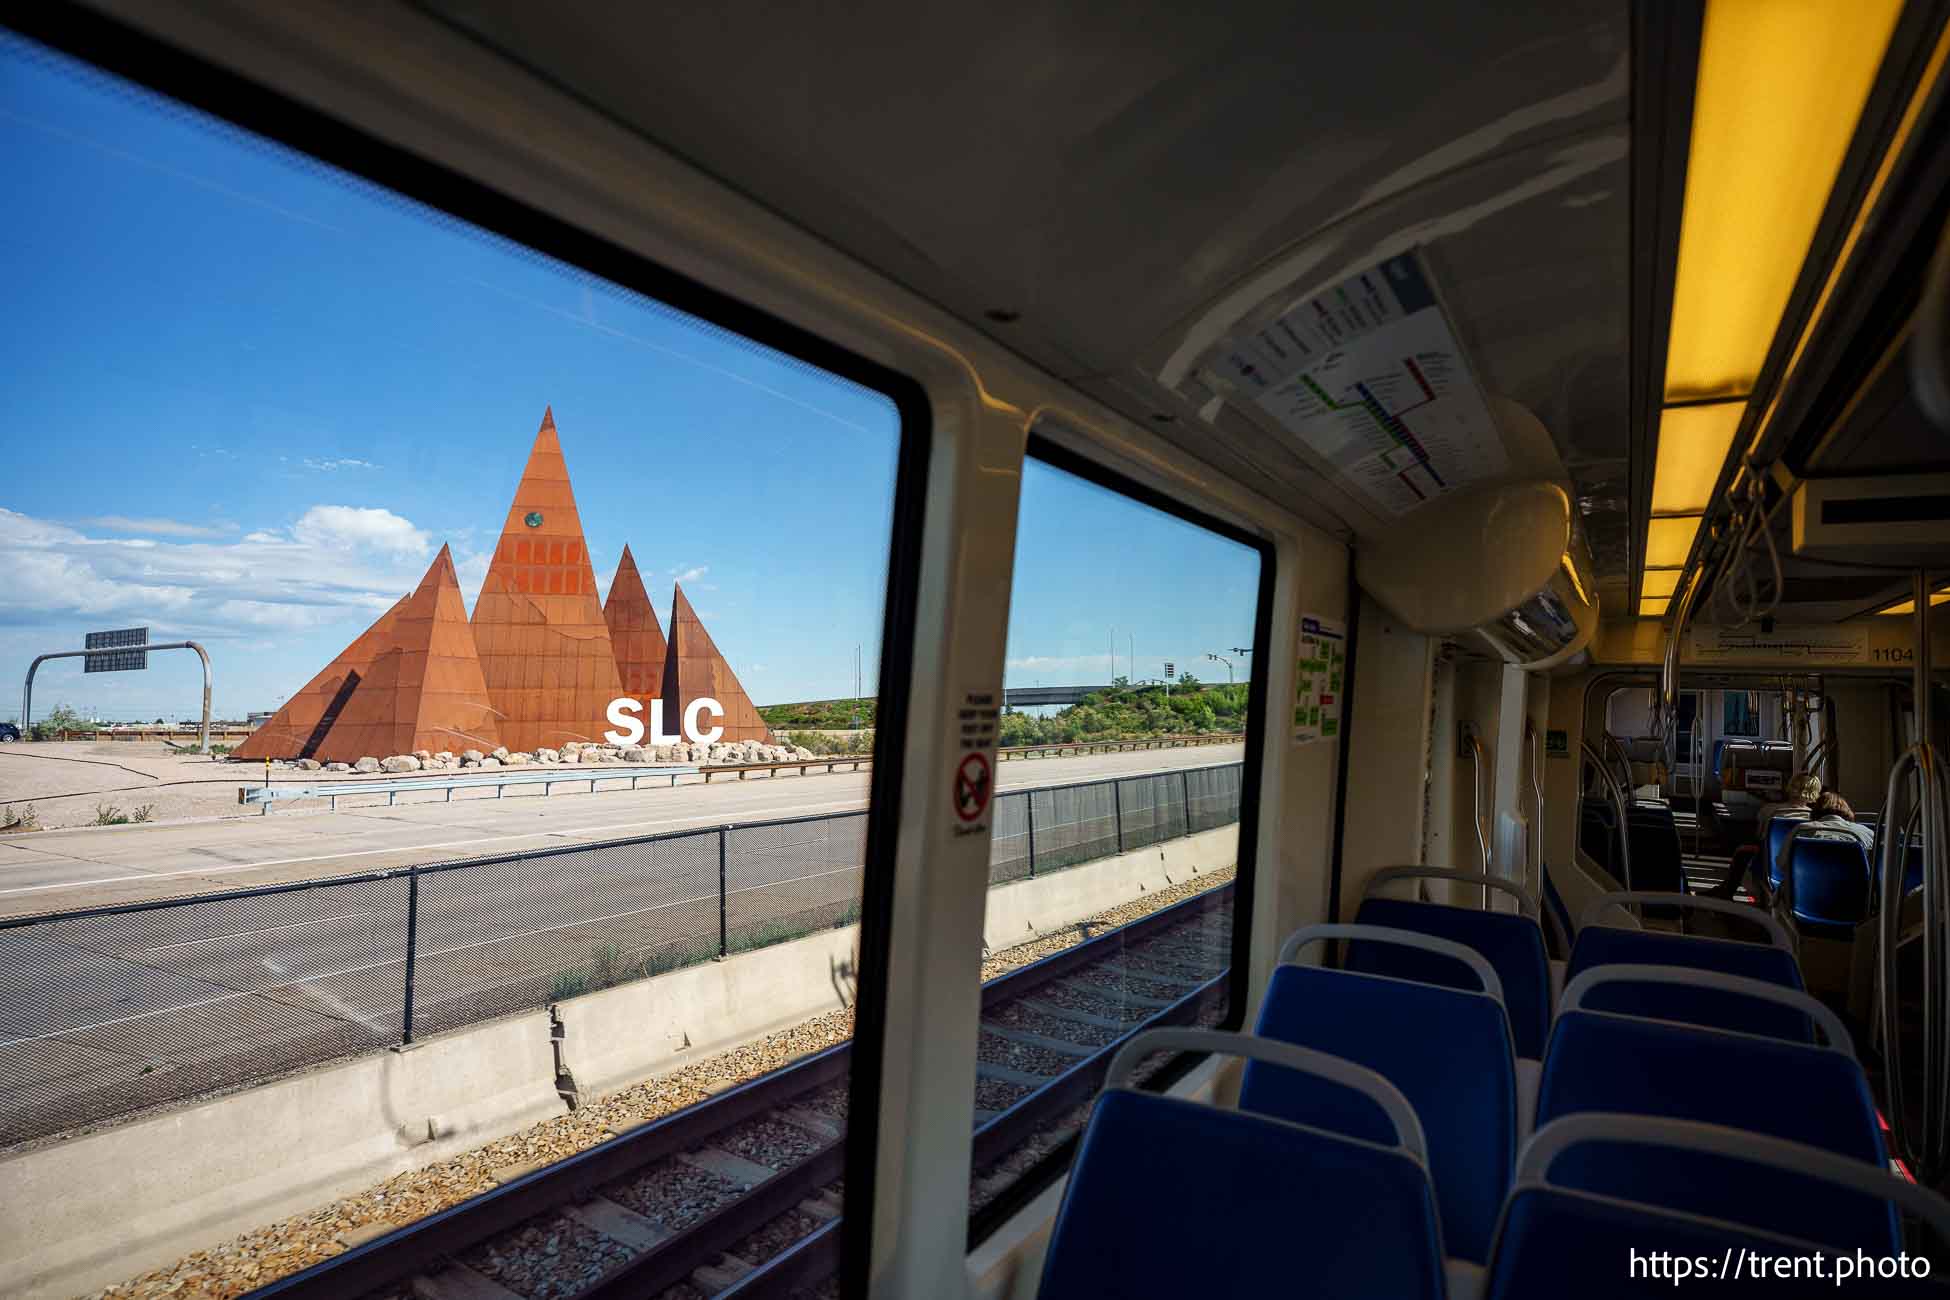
{"x":692,"y":574}
{"x":343,"y":462}
{"x":1099,"y":665}
{"x":159,"y":527}
{"x":360,"y":528}
{"x":336,"y":563}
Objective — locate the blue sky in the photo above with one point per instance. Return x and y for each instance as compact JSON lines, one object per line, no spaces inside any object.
{"x":248,"y":399}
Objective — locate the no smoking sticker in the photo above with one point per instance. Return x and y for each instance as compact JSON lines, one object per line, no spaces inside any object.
{"x":972,"y":787}
{"x":974,"y":771}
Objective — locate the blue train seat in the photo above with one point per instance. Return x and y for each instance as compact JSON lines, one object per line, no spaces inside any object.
{"x":1599,"y":945}
{"x":1827,"y":887}
{"x":1512,"y":943}
{"x":1446,"y":1049}
{"x":1554,"y":1235}
{"x":1773,"y":838}
{"x":1604,"y":1062}
{"x":1265,"y":1197}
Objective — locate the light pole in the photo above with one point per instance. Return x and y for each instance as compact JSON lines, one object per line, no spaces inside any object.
{"x":1227,"y":662}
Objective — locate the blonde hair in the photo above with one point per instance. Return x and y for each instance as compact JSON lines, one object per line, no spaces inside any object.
{"x":1804,"y":787}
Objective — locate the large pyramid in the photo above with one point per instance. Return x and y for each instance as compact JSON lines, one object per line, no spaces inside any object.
{"x":635,"y":633}
{"x":300,"y":727}
{"x":544,"y":645}
{"x":424,"y":690}
{"x":693,"y":668}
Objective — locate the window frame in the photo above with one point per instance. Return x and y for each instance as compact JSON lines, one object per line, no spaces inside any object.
{"x":121,"y":51}
{"x":983,"y":1223}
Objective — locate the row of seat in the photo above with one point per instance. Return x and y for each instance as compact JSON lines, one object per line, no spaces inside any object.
{"x":1652,"y":835}
{"x":1688,"y":1090}
{"x":1831,"y":882}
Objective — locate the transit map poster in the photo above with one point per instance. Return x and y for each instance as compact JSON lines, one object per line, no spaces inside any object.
{"x":1369,"y":376}
{"x":1320,"y":665}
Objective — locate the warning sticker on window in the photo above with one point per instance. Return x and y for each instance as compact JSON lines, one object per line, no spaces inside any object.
{"x":973,"y":789}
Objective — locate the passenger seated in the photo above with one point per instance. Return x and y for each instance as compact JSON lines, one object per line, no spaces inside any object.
{"x":1831,"y":814}
{"x":1803,"y":788}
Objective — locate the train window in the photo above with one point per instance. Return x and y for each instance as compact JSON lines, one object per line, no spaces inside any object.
{"x":1113,"y":899}
{"x":495,"y":545}
{"x":1740,"y":713}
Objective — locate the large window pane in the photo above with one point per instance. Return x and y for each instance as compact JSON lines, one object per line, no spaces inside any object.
{"x":452,"y":520}
{"x":1117,"y":829}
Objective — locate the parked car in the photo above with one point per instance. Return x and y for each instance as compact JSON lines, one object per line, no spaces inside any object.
{"x":8,"y":733}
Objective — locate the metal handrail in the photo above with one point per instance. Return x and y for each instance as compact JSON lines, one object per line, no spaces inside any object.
{"x":1927,"y":1150}
{"x":1619,"y":805}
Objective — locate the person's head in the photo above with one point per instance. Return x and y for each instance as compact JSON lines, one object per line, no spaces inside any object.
{"x":1803,"y":787}
{"x":1833,"y":805}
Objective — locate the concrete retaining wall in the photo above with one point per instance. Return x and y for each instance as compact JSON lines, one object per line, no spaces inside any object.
{"x":99,"y":1209}
{"x":96,"y":1210}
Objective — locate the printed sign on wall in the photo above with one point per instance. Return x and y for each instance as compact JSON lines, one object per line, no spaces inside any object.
{"x":1320,"y":666}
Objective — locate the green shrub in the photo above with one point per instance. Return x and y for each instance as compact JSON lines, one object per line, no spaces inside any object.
{"x":22,"y":818}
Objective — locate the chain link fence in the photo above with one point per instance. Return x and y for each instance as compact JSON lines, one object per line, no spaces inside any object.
{"x":111,"y":1010}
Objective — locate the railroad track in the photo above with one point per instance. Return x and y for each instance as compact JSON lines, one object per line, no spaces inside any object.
{"x":740,"y":1195}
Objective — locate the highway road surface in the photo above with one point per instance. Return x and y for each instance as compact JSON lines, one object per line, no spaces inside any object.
{"x":94,"y":866}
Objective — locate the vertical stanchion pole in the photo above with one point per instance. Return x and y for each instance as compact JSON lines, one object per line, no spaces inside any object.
{"x":1029,"y":799}
{"x":1117,"y":811}
{"x":1185,"y":781}
{"x":412,"y":945}
{"x":724,"y":932}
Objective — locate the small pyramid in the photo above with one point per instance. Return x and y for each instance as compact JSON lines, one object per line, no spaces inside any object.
{"x":297,"y":729}
{"x":425,"y":689}
{"x":694,"y":668}
{"x":634,"y":632}
{"x":544,"y":646}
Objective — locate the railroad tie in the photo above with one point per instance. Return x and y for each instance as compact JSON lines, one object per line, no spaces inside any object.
{"x":820,"y":1126}
{"x":459,"y":1282}
{"x":713,"y":1278}
{"x":1038,"y":1040}
{"x":732,"y":1168}
{"x":1081,"y":1017}
{"x":618,"y":1223}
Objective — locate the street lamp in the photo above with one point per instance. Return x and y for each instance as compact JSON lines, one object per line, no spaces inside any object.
{"x":1227,"y":662}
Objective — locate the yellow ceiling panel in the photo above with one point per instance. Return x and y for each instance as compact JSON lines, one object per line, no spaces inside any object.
{"x":1909,"y":606}
{"x":1693,"y":442}
{"x":1781,"y":85}
{"x":1669,"y":541}
{"x":1653,"y":606}
{"x":1659,"y":582}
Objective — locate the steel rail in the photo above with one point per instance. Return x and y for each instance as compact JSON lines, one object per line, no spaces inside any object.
{"x":411,"y":1249}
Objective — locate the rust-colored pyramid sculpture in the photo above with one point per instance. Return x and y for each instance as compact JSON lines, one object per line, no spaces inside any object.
{"x":300,"y":727}
{"x":424,"y":690}
{"x":544,"y":646}
{"x":694,"y":668}
{"x":635,"y":634}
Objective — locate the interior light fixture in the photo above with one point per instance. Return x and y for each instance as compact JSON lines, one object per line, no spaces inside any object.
{"x":1653,"y":606}
{"x":1669,"y":541}
{"x":1659,"y":582}
{"x":1780,"y":88}
{"x":1909,"y":606}
{"x":1693,"y":442}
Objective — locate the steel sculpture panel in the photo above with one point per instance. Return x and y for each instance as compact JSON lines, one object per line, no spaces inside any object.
{"x":544,"y":646}
{"x":693,"y":669}
{"x":634,"y":632}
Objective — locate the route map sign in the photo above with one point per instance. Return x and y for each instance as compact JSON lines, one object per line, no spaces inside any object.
{"x":1369,"y":376}
{"x":124,"y":647}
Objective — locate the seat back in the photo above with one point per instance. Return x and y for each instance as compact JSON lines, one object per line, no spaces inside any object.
{"x":1828,"y":891}
{"x":1656,"y":858}
{"x":1601,"y":945}
{"x":1513,"y":946}
{"x":1549,"y":1227}
{"x":1268,"y":1196}
{"x":1817,"y":1096}
{"x":1554,"y":901}
{"x":1773,"y":838}
{"x":1447,"y":1050}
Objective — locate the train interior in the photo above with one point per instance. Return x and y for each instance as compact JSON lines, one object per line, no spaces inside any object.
{"x":1520,"y":989}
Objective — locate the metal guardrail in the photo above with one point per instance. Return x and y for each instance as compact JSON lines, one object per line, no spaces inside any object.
{"x":1059,"y":748}
{"x":548,"y":778}
{"x":173,"y":998}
